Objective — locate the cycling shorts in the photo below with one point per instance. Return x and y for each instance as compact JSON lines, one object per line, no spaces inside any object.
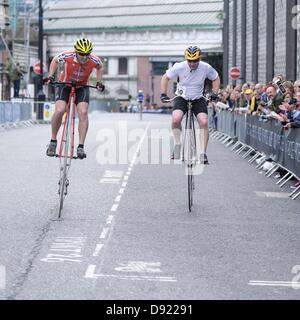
{"x":199,"y":105}
{"x":82,"y":94}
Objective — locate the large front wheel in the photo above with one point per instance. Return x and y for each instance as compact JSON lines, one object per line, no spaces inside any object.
{"x":191,"y":188}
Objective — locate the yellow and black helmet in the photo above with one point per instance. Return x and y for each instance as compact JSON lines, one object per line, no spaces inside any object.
{"x":192,"y":53}
{"x":83,"y":46}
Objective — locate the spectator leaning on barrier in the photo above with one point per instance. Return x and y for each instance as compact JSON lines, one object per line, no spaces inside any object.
{"x":293,"y":114}
{"x":255,"y":102}
{"x":271,"y":94}
{"x":297,"y":97}
{"x":247,"y":100}
{"x":284,"y":114}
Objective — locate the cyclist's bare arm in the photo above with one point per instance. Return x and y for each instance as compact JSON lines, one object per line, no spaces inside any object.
{"x":53,"y":67}
{"x":99,"y":73}
{"x":164,"y":84}
{"x":216,"y":85}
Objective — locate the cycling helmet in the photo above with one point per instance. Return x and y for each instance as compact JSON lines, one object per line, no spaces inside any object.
{"x":192,"y":53}
{"x":83,"y":46}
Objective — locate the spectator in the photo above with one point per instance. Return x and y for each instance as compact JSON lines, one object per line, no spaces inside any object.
{"x":255,"y":102}
{"x":247,"y":99}
{"x":16,"y":77}
{"x":297,"y":86}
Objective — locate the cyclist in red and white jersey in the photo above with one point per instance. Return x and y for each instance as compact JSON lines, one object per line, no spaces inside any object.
{"x":77,"y":67}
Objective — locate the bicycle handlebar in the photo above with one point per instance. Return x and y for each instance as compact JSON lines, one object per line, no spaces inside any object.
{"x":172,"y":99}
{"x":72,"y":84}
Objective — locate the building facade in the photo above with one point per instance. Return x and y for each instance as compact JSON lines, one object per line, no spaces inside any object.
{"x":137,"y":41}
{"x":261,"y":38}
{"x":4,"y":52}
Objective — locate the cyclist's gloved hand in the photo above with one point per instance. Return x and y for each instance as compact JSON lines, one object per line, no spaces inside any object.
{"x":213,"y":96}
{"x":50,"y":79}
{"x":164,"y":98}
{"x":100,"y":86}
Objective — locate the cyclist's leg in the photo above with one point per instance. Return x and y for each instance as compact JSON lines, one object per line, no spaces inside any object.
{"x":204,"y":133}
{"x":82,"y":98}
{"x":179,"y":109}
{"x":60,"y":109}
{"x":177,"y":116}
{"x":201,"y":113}
{"x":62,"y":98}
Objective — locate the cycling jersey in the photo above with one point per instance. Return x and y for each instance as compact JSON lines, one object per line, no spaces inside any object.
{"x":192,"y":81}
{"x":73,"y":71}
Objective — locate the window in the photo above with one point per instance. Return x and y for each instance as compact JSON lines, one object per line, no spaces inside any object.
{"x":123,"y":66}
{"x":159,"y":68}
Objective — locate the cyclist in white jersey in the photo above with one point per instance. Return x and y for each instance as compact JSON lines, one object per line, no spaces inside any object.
{"x":191,"y":75}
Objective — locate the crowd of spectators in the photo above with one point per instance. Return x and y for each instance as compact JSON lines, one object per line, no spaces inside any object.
{"x":279,"y":99}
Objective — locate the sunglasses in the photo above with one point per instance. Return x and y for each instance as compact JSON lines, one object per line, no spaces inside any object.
{"x":193,"y":61}
{"x":83,"y":54}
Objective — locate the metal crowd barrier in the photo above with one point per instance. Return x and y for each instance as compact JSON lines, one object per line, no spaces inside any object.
{"x":231,"y":131}
{"x":14,"y":112}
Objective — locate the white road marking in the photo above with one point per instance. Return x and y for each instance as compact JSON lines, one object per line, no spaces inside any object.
{"x":112,"y":177}
{"x":70,"y":246}
{"x":139,"y":266}
{"x":109,"y":219}
{"x":2,"y":277}
{"x":98,"y":249}
{"x":279,"y":195}
{"x":90,"y":274}
{"x":295,"y":285}
{"x":114,"y":207}
{"x":113,"y":174}
{"x":104,"y":233}
{"x":118,"y":198}
{"x":110,"y":180}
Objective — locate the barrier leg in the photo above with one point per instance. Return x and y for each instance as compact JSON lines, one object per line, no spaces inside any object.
{"x":223,"y":138}
{"x":262,"y":162}
{"x":230,"y":143}
{"x":257,"y":155}
{"x":236,"y":145}
{"x":242,"y":149}
{"x":283,"y":178}
{"x":215,"y":134}
{"x":248,"y":153}
{"x":273,"y":170}
{"x":285,"y":182}
{"x":294,"y":191}
{"x":226,"y":140}
{"x":297,"y":194}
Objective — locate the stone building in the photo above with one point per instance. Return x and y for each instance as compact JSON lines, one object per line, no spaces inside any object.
{"x":137,"y":40}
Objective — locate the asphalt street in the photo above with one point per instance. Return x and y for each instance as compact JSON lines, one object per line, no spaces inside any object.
{"x":126,"y":231}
